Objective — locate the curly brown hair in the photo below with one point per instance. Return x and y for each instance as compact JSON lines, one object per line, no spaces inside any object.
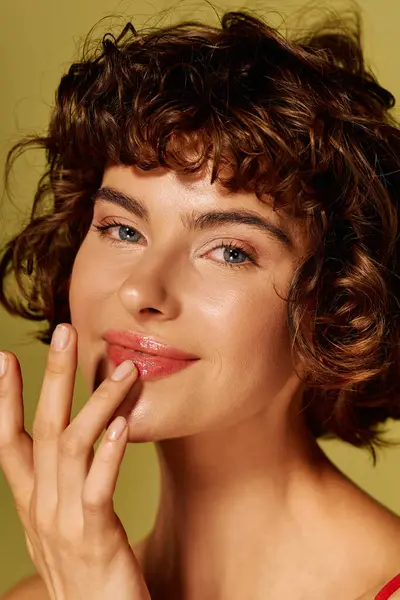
{"x":302,"y":120}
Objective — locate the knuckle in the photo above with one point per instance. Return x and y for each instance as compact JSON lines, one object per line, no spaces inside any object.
{"x":103,"y":391}
{"x":3,"y":392}
{"x":72,"y":443}
{"x":105,"y":458}
{"x":43,"y":429}
{"x":91,"y":504}
{"x":55,"y":366}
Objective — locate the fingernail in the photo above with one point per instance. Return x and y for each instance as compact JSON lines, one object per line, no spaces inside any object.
{"x":116,"y":428}
{"x":3,"y":364}
{"x":123,"y":370}
{"x":60,"y":337}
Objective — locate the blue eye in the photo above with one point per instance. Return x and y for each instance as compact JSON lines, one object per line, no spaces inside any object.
{"x":233,"y":254}
{"x":126,"y":233}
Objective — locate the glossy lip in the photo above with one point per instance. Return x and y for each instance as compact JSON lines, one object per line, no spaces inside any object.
{"x":148,"y":345}
{"x":149,"y":366}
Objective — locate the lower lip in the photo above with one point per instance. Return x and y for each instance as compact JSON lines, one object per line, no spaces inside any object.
{"x":149,"y":366}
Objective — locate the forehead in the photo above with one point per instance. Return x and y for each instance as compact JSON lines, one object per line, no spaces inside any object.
{"x":191,"y":192}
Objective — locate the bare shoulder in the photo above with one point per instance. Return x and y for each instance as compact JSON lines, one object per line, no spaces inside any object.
{"x":30,"y":588}
{"x":372,"y":594}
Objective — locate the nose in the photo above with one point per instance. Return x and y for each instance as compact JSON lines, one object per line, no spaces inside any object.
{"x":151,"y":289}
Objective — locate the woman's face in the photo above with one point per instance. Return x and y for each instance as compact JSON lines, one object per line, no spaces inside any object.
{"x":186,"y":287}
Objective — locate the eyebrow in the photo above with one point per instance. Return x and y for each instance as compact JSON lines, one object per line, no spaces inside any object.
{"x":196,"y":221}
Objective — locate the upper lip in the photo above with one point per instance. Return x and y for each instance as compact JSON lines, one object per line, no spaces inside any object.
{"x":149,"y":345}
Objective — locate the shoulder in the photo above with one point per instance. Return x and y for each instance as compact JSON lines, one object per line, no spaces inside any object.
{"x":372,"y":594}
{"x":31,"y":588}
{"x":394,"y":596}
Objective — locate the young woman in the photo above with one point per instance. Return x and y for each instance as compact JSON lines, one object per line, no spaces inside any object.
{"x":221,"y":208}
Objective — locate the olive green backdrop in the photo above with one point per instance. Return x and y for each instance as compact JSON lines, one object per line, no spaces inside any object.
{"x":39,"y":38}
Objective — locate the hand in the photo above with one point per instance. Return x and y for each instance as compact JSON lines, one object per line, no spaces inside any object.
{"x":63,"y":491}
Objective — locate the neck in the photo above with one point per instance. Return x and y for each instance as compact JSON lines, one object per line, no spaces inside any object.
{"x":234,"y":501}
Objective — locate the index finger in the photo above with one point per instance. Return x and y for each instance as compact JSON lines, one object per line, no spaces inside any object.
{"x":76,"y":447}
{"x":53,"y":413}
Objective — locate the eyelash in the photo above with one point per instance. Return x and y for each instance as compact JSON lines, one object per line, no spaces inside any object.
{"x":102,"y":231}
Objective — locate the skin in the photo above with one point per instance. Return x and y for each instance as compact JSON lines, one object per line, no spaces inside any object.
{"x":250,"y":507}
{"x":62,"y":491}
{"x":245,"y":489}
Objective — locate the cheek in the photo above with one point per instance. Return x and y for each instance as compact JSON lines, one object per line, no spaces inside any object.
{"x":91,"y":283}
{"x":250,"y":353}
{"x":256,"y":337}
{"x":253,"y":322}
{"x":252,"y":342}
{"x":89,"y":288}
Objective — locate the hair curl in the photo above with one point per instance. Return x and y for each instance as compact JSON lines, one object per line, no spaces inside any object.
{"x":300,"y":119}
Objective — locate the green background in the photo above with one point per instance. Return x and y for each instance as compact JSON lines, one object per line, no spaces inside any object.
{"x":39,"y":39}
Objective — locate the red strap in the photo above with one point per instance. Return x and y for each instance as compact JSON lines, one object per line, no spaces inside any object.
{"x":389,"y":589}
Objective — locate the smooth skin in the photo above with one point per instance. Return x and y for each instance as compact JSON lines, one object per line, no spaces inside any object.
{"x":249,"y":505}
{"x":63,"y":491}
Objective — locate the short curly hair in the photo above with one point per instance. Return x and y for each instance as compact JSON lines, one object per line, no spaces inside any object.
{"x":301,"y":119}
